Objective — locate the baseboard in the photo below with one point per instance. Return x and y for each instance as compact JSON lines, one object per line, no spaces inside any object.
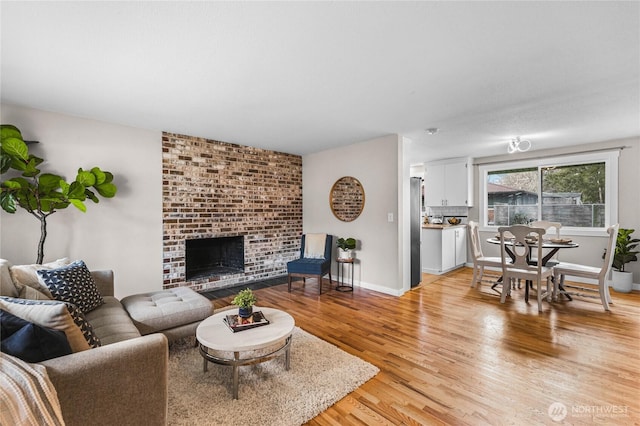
{"x":378,"y":288}
{"x":438,"y":272}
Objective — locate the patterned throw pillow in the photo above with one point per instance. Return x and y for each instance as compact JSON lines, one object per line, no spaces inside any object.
{"x":84,"y":325}
{"x":56,"y":315}
{"x":73,"y":284}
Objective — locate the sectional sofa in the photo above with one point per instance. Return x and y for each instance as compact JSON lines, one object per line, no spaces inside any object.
{"x":121,"y":382}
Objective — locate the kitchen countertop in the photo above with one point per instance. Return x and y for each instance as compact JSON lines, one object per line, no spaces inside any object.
{"x":444,"y":225}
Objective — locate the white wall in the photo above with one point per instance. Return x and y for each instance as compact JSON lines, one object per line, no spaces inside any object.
{"x":123,"y":233}
{"x":375,"y":164}
{"x":591,"y":248}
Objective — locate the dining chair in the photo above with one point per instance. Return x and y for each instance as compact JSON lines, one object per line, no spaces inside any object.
{"x":584,"y":271}
{"x":548,"y":227}
{"x":480,"y":261}
{"x":314,"y":261}
{"x":516,"y":265}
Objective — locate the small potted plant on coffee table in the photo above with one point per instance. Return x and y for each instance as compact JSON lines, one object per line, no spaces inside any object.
{"x":245,"y":300}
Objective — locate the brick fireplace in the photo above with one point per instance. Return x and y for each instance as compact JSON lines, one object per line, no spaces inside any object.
{"x":219,"y":190}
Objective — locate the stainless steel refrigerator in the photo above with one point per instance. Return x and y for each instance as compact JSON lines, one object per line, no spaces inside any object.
{"x":416,"y":229}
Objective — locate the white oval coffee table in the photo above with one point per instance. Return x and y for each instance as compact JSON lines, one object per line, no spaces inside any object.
{"x":275,"y":338}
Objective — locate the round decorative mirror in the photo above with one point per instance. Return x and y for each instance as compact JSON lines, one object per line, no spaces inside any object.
{"x":347,"y":198}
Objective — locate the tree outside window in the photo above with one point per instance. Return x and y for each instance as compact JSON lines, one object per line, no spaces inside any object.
{"x":574,"y":195}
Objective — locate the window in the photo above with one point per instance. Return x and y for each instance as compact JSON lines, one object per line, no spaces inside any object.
{"x":579,"y":191}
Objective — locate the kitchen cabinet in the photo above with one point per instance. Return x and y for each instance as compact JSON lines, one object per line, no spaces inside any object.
{"x":443,"y":248}
{"x":461,"y":246}
{"x":449,"y":183}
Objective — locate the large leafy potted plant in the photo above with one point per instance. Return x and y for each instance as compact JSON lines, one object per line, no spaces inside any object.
{"x":624,"y":253}
{"x":43,"y":194}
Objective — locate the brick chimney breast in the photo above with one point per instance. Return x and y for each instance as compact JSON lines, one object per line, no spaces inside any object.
{"x":216,"y":189}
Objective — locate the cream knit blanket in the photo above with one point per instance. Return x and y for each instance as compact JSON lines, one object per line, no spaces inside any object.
{"x":314,"y":246}
{"x":27,"y":396}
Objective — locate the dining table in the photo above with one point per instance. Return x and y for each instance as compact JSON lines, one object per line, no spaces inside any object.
{"x":552,"y":245}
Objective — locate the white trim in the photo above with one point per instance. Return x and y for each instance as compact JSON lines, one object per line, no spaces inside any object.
{"x":439,"y":272}
{"x":404,"y":215}
{"x":379,"y":288}
{"x":610,"y":158}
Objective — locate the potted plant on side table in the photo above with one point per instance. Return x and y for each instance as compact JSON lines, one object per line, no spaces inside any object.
{"x":245,"y":300}
{"x":624,"y":253}
{"x":345,"y":247}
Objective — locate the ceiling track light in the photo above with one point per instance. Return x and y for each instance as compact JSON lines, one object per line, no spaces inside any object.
{"x":432,"y":130}
{"x":518,"y":145}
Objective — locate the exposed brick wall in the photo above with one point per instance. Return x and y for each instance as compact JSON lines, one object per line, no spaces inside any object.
{"x":217,"y":189}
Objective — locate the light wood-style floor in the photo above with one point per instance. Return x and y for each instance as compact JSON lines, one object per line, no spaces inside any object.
{"x":450,"y":354}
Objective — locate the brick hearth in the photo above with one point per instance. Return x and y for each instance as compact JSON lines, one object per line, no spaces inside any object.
{"x":217,"y":189}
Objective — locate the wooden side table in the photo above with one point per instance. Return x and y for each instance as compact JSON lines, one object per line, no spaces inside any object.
{"x":341,"y":286}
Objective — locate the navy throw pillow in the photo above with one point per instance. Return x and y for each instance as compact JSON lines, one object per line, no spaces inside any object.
{"x":30,"y":342}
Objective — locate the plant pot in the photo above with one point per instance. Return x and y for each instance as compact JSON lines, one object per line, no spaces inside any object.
{"x":622,"y":281}
{"x":245,"y":312}
{"x":345,"y":254}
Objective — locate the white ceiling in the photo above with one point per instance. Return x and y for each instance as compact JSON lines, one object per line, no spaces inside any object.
{"x":302,"y":77}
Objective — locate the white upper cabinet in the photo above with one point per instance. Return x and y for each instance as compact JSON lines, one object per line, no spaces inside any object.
{"x":434,"y":185}
{"x":449,"y":183}
{"x":456,"y":186}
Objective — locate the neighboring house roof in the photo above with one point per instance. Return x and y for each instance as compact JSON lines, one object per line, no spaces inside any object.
{"x":494,"y":188}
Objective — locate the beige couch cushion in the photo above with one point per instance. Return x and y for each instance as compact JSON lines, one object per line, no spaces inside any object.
{"x":111,"y":323}
{"x":7,"y":287}
{"x":27,"y":292}
{"x":27,"y":274}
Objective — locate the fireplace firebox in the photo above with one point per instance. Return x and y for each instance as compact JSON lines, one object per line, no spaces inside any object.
{"x":207,"y":257}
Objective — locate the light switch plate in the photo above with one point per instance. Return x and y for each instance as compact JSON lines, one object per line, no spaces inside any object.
{"x":389,"y":217}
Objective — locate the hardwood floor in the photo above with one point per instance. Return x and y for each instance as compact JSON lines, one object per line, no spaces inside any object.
{"x":451,"y":354}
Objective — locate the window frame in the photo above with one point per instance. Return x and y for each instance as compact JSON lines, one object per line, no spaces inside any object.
{"x":609,"y":158}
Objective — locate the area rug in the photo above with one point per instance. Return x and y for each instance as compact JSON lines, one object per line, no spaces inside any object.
{"x":320,"y":374}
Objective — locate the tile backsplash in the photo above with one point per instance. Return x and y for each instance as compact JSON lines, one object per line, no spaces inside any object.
{"x":461,"y":212}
